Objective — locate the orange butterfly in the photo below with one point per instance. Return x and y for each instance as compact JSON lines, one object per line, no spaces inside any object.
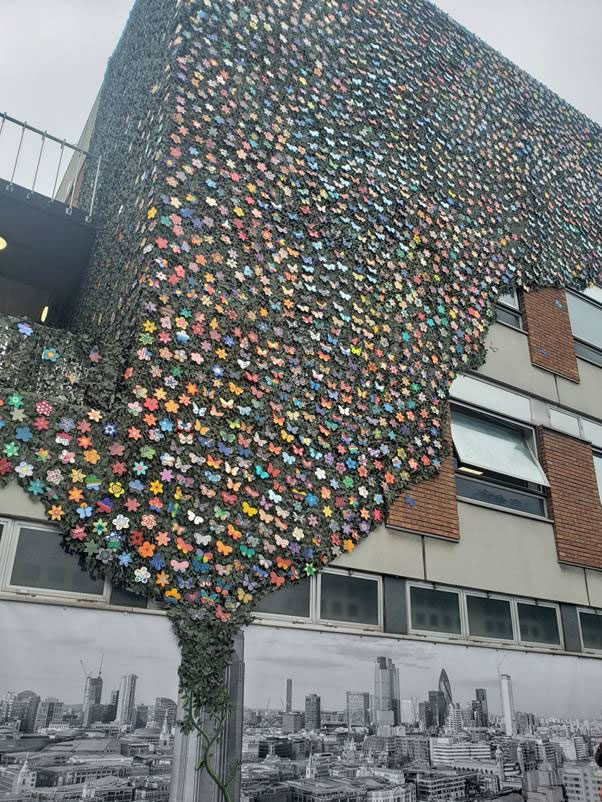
{"x":223,"y":548}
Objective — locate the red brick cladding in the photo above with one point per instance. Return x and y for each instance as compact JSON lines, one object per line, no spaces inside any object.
{"x":430,"y":507}
{"x":574,"y":502}
{"x":546,"y":319}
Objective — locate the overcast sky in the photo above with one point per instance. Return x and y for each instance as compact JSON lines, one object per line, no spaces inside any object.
{"x":330,"y":664}
{"x":54,"y":52}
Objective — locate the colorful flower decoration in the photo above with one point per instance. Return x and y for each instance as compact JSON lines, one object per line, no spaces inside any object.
{"x":309,"y":211}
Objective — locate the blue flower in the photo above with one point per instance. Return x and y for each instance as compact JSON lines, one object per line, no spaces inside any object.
{"x":23,"y":433}
{"x":25,"y":329}
{"x":51,"y":355}
{"x":166,"y":425}
{"x":36,"y":487}
{"x":125,"y":559}
{"x":110,"y":429}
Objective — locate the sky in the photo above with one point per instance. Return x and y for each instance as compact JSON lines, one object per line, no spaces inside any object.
{"x":54,"y":52}
{"x":41,"y":648}
{"x":330,"y":664}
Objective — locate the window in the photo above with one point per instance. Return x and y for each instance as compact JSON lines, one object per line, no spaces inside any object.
{"x":435,"y":610}
{"x":474,"y":614}
{"x":507,"y":309}
{"x":585,"y":313}
{"x":496,"y":462}
{"x":591,"y":629}
{"x":489,"y":617}
{"x":40,"y":562}
{"x":349,"y":598}
{"x":290,"y":600}
{"x":538,"y":623}
{"x":125,"y":598}
{"x":598,"y":470}
{"x":337,"y":596}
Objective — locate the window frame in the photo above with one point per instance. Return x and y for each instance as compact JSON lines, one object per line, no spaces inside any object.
{"x":465,"y":634}
{"x":536,"y":603}
{"x":305,"y":619}
{"x":591,"y":346}
{"x":315,"y":592}
{"x":8,"y":553}
{"x":589,"y":611}
{"x":597,"y":454}
{"x":510,"y":309}
{"x":483,"y":594}
{"x":486,"y":477}
{"x":378,"y":627}
{"x":433,"y":632}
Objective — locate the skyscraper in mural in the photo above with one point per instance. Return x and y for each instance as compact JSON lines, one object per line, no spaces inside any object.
{"x":445,"y":689}
{"x":313,"y":716}
{"x":507,"y":704}
{"x":481,"y":698}
{"x":385,"y":709}
{"x":127,"y":700}
{"x":92,"y":697}
{"x":358,"y":709}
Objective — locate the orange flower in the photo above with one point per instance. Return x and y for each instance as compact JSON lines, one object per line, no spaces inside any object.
{"x":56,"y":512}
{"x":173,"y":593}
{"x":75,"y":494}
{"x":146,"y":549}
{"x":162,"y":579}
{"x":162,"y":538}
{"x":348,"y":545}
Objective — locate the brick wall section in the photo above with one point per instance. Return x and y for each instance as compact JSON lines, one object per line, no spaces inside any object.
{"x":546,"y":319}
{"x":430,"y":507}
{"x":574,"y":503}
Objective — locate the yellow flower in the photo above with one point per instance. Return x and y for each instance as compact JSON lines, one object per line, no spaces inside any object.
{"x":92,"y":455}
{"x":116,"y":489}
{"x":173,"y":593}
{"x":77,"y":475}
{"x":156,"y":486}
{"x":56,"y":512}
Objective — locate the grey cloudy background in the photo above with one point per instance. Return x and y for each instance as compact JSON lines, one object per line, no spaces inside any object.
{"x":330,"y":664}
{"x":54,"y":52}
{"x":41,"y":646}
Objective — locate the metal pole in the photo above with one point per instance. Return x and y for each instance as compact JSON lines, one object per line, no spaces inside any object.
{"x":35,"y":178}
{"x":79,"y":158}
{"x":3,"y":121}
{"x":58,"y":169}
{"x":94,"y":188}
{"x":18,"y":154}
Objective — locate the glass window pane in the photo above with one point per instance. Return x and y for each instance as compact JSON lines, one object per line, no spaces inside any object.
{"x":489,"y":618}
{"x":435,"y":610}
{"x":500,"y":496}
{"x":40,"y":562}
{"x":125,"y":598}
{"x":588,"y":352}
{"x":509,"y":299}
{"x":598,"y":469}
{"x":509,"y":317}
{"x":289,"y":600}
{"x":538,"y":624}
{"x":591,"y":630}
{"x":348,"y":598}
{"x":586,"y":319}
{"x":595,"y":293}
{"x":490,"y":445}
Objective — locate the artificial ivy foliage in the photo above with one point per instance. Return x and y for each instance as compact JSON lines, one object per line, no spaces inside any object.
{"x":307,"y":211}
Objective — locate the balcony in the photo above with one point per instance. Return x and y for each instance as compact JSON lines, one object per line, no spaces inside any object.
{"x":46,"y":228}
{"x":56,"y":365}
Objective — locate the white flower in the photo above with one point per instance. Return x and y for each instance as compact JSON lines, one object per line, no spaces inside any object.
{"x":321,"y":473}
{"x":298,"y":533}
{"x":121,"y":522}
{"x":24,"y":469}
{"x":142,"y":575}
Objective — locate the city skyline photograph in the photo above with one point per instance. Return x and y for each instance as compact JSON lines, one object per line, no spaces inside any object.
{"x":331,"y":664}
{"x":42,"y":647}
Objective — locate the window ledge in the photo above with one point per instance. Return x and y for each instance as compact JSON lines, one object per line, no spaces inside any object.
{"x":509,"y":510}
{"x":510,"y":326}
{"x":73,"y":601}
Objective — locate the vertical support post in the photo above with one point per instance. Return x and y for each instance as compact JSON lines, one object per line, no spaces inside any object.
{"x":190,"y":785}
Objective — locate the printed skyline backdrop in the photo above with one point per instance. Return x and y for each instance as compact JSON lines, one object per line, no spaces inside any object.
{"x":330,"y":664}
{"x":42,"y":645}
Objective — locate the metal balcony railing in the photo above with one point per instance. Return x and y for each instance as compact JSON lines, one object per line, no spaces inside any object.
{"x":56,"y":365}
{"x":42,"y":163}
